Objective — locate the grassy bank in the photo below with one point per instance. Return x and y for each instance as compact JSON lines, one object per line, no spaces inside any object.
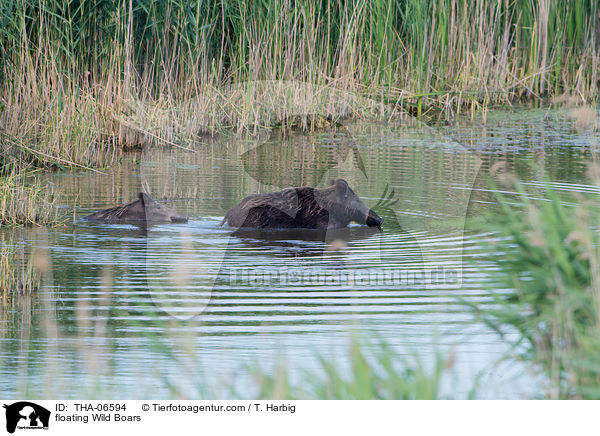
{"x":80,"y":81}
{"x":547,"y":295}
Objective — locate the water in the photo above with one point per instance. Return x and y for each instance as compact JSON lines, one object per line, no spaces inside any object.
{"x":190,"y":309}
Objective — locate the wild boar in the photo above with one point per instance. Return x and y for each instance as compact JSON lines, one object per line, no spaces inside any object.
{"x":305,"y":207}
{"x":142,"y":210}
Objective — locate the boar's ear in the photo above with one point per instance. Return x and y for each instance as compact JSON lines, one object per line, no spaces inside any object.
{"x":341,"y":187}
{"x":331,"y":182}
{"x":145,"y":198}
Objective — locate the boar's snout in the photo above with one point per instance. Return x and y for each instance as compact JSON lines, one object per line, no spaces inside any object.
{"x":159,"y":213}
{"x":374,"y":220}
{"x":179,"y":218}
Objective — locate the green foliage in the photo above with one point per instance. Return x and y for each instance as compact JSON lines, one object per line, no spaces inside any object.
{"x":17,"y":275}
{"x":25,"y":201}
{"x":82,"y":78}
{"x":441,"y":54}
{"x":548,"y":287}
{"x":376,"y":372}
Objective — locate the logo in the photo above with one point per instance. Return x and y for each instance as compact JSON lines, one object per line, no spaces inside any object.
{"x":26,"y":415}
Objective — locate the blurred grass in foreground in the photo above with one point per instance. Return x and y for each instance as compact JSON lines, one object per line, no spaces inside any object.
{"x":548,"y":285}
{"x":377,"y":372}
{"x":369,"y":370}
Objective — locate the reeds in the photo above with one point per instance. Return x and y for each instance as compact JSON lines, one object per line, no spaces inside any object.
{"x":25,"y":201}
{"x":78,"y":80}
{"x":377,"y":371}
{"x":17,"y":275}
{"x":547,"y":293}
{"x":368,"y":369}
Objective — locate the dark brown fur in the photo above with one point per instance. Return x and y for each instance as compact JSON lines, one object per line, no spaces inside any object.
{"x":305,"y":207}
{"x":143,"y":209}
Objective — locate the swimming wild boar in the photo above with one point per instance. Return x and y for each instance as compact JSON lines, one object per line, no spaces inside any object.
{"x":142,"y":210}
{"x":307,"y":208}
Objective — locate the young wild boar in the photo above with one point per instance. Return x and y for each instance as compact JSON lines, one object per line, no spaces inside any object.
{"x":308,"y":208}
{"x":142,"y":210}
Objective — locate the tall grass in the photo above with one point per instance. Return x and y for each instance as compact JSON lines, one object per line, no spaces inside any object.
{"x":549,"y":281}
{"x":81,"y":78}
{"x":26,"y":201}
{"x":17,"y":274}
{"x":377,"y":372}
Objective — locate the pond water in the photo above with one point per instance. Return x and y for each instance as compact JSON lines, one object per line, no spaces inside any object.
{"x":190,"y":309}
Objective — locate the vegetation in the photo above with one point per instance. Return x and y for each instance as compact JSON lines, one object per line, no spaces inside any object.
{"x":81,"y":80}
{"x":24,"y":200}
{"x":17,"y":274}
{"x":549,"y":281}
{"x":370,"y":369}
{"x":377,"y":372}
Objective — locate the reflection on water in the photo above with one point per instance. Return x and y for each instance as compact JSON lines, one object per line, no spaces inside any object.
{"x":125,"y":308}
